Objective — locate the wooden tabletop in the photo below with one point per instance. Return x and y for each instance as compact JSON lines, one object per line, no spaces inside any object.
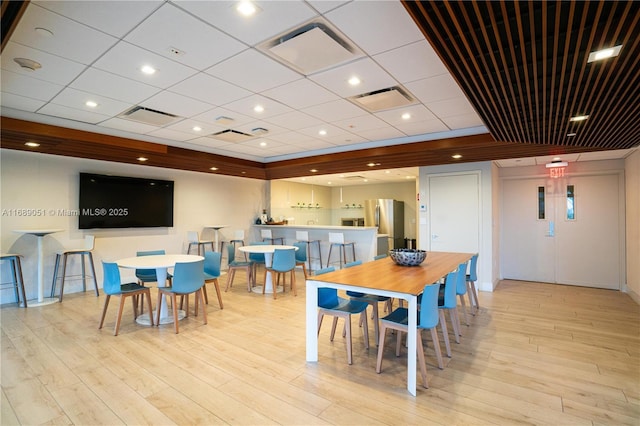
{"x":384,"y":274}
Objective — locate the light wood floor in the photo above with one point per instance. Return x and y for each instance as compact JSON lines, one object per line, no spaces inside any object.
{"x":535,"y":354}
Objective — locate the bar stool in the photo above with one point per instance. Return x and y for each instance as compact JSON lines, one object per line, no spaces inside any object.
{"x":337,"y":239}
{"x":303,"y":237}
{"x":17,"y":281}
{"x":89,"y":242}
{"x":194,"y":240}
{"x":268,"y":236}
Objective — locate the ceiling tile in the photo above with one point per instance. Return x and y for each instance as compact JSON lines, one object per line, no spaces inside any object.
{"x":412,"y":62}
{"x":67,"y":38}
{"x":182,"y":106}
{"x":54,"y":68}
{"x":113,"y":86}
{"x":422,"y":127}
{"x":72,"y":113}
{"x":294,"y":120}
{"x":393,"y":25}
{"x":416,"y":112}
{"x":128,"y":125}
{"x":372,"y":77}
{"x":272,"y":18}
{"x":324,"y":6}
{"x":102,"y":15}
{"x":246,"y":106}
{"x":22,"y":84}
{"x":211,"y":116}
{"x":462,"y":121}
{"x":435,"y":88}
{"x":126,"y":60}
{"x":254,"y":71}
{"x":187,"y":125}
{"x":22,"y":103}
{"x":76,"y":99}
{"x":300,"y":94}
{"x":450,"y":107}
{"x":382,"y":134}
{"x":336,"y":110}
{"x":361,"y":123}
{"x":171,"y":30}
{"x":209,"y":89}
{"x":172,"y":134}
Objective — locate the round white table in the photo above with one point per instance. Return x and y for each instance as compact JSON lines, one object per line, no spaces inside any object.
{"x":215,"y":228}
{"x":40,"y":233}
{"x":267,"y":250}
{"x":159,"y":262}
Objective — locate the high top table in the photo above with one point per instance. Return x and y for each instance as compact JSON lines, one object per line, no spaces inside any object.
{"x":40,"y":234}
{"x":267,"y":250}
{"x":159,"y":262}
{"x":215,"y":228}
{"x":384,"y":278}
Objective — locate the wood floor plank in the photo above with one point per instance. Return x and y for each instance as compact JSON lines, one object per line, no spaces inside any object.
{"x":534,"y":354}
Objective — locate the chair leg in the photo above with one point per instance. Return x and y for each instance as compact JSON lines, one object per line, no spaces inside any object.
{"x":64,"y":274}
{"x":348,"y":330}
{"x":445,"y":332}
{"x":204,"y":291}
{"x":455,"y":322}
{"x":104,"y":311}
{"x":175,"y":312}
{"x":383,"y":330}
{"x":320,"y":316}
{"x":148,"y":293}
{"x":423,"y":365}
{"x":436,"y":347}
{"x":119,"y":318}
{"x":158,"y":306}
{"x":93,"y":272}
{"x":204,"y":308}
{"x":329,"y":256}
{"x":333,"y":328}
{"x":217,"y":285}
{"x":230,"y":273}
{"x":464,"y":308}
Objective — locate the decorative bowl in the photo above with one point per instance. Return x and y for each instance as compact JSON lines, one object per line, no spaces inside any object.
{"x":408,"y":257}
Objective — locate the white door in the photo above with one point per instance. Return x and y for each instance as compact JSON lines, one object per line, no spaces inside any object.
{"x":454,"y":212}
{"x":565,"y":230}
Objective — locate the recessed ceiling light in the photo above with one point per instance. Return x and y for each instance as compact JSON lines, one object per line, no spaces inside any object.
{"x":258,"y":108}
{"x":213,"y":168}
{"x":148,"y":69}
{"x":142,"y":158}
{"x":197,"y":128}
{"x":246,"y":8}
{"x":43,"y":32}
{"x":313,"y":170}
{"x":406,"y":116}
{"x":373,"y":164}
{"x":322,"y":132}
{"x":32,"y":144}
{"x":329,"y":183}
{"x":570,"y":135}
{"x":27,"y":64}
{"x":91,"y":104}
{"x":263,"y":144}
{"x":456,"y":156}
{"x":609,"y":52}
{"x":387,"y":171}
{"x":354,"y":81}
{"x":579,"y":118}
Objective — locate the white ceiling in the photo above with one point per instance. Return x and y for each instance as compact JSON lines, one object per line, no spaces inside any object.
{"x":210,"y":64}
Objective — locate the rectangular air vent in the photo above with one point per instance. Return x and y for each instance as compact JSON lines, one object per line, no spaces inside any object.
{"x":384,"y":99}
{"x":149,"y":116}
{"x":231,"y":136}
{"x":311,"y":48}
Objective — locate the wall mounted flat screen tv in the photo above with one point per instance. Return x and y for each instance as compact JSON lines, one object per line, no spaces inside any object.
{"x":124,"y":202}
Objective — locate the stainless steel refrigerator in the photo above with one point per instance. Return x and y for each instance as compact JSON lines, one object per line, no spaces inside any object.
{"x":388,"y":216}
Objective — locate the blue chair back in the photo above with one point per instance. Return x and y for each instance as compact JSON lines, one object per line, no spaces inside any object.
{"x":381,"y":256}
{"x":147,"y":274}
{"x":429,"y":307}
{"x":448,"y":299}
{"x":473,"y":269}
{"x":111,"y":278}
{"x":461,"y":279}
{"x":301,"y":253}
{"x":258,"y":257}
{"x":284,"y":260}
{"x":354,"y":263}
{"x":188,"y":276}
{"x":231,"y":253}
{"x":327,"y":297}
{"x":212,"y":261}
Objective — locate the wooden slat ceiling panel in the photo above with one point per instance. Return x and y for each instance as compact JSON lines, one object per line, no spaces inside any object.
{"x":523,"y":65}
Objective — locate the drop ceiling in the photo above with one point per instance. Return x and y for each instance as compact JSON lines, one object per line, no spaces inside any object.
{"x":214,"y":67}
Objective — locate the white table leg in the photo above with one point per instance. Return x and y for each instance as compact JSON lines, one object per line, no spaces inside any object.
{"x":312,"y":321}
{"x":268,"y":286}
{"x":215,"y":239}
{"x":411,"y":337}
{"x":41,"y":301}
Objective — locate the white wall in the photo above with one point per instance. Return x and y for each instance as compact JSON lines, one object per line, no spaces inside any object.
{"x":487,"y":261}
{"x":632,"y":197}
{"x":38,"y":181}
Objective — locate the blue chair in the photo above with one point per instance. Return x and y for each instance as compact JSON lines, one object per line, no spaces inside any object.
{"x":257,"y":259}
{"x":234,"y":265}
{"x":188,"y":277}
{"x":301,"y":256}
{"x":112,"y":286}
{"x":427,"y":320}
{"x":380,"y":256}
{"x":447,"y":301}
{"x":212,"y":264}
{"x":149,"y":275}
{"x":461,"y":290}
{"x":284,"y":261}
{"x":371,"y":299}
{"x":472,"y":277}
{"x":330,"y":304}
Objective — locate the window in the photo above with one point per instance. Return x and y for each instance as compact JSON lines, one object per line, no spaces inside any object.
{"x":541,"y":202}
{"x":571,"y":203}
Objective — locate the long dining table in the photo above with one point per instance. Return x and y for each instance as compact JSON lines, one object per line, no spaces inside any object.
{"x":385,"y":278}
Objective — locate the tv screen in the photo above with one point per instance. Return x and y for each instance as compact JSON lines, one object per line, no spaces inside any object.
{"x":124,"y":202}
